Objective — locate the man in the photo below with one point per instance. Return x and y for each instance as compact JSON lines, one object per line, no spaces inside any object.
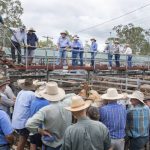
{"x":6,"y":131}
{"x":109,"y":50}
{"x":128,"y":52}
{"x":63,"y":43}
{"x":93,"y":48}
{"x":138,"y":121}
{"x":22,"y":110}
{"x":54,"y":118}
{"x":117,"y":53}
{"x":32,"y":42}
{"x":36,"y":105}
{"x":147,"y":102}
{"x":86,"y":134}
{"x":113,"y":116}
{"x":19,"y":36}
{"x":76,"y":47}
{"x":5,"y":102}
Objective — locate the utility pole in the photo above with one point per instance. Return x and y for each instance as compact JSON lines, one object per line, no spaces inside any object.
{"x":47,"y":38}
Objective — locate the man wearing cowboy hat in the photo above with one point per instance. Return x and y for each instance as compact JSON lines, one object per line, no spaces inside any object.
{"x":76,"y":47}
{"x":86,"y":134}
{"x":32,"y":42}
{"x":54,"y":117}
{"x":117,"y":53}
{"x":63,"y":43}
{"x":113,"y":116}
{"x":22,"y":110}
{"x":138,"y":121}
{"x":5,"y":102}
{"x":19,"y":36}
{"x":93,"y":49}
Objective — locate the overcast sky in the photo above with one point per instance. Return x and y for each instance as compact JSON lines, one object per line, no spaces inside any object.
{"x":50,"y":17}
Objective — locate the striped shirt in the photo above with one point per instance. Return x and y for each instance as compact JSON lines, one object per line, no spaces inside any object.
{"x":138,"y":121}
{"x":113,"y":116}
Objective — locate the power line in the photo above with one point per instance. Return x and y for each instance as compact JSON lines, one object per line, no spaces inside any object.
{"x":94,"y":26}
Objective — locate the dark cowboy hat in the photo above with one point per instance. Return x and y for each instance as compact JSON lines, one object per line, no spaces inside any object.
{"x":4,"y":80}
{"x":31,"y":29}
{"x":93,"y":39}
{"x":63,"y":32}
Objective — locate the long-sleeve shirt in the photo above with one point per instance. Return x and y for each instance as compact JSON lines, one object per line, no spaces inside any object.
{"x":109,"y":48}
{"x":94,"y":47}
{"x":63,"y":42}
{"x":9,"y":93}
{"x":76,"y":45}
{"x":117,"y":49}
{"x":54,"y":118}
{"x":113,"y":116}
{"x":86,"y":134}
{"x":128,"y":51}
{"x":18,"y":36}
{"x":138,"y":121}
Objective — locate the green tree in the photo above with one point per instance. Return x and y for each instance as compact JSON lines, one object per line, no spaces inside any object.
{"x":137,"y":37}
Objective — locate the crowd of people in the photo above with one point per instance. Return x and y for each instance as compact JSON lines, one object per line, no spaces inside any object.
{"x":28,"y":39}
{"x":49,"y":119}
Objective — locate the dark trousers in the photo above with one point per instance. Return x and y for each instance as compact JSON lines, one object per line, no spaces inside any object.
{"x":110,"y":56}
{"x":74,"y":58}
{"x":14,"y":46}
{"x":117,"y":60}
{"x":138,"y":143}
{"x":93,"y":54}
{"x":81,"y":58}
{"x":129,"y":61}
{"x":44,"y":147}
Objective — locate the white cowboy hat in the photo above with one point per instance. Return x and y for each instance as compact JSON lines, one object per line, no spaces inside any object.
{"x":63,"y":32}
{"x":78,"y":104}
{"x":75,"y":38}
{"x":37,"y":92}
{"x":117,"y":42}
{"x":26,"y":84}
{"x":137,"y":95}
{"x":52,"y":92}
{"x":112,"y":94}
{"x":32,"y":29}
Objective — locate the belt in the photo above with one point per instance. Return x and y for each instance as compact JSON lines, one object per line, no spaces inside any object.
{"x":62,"y":47}
{"x":4,"y":145}
{"x":76,"y":48}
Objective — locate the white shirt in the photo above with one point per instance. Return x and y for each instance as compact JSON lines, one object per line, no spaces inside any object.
{"x":128,"y":51}
{"x":9,"y":93}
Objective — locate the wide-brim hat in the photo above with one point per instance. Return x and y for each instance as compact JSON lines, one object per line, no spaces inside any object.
{"x":93,"y":39}
{"x":52,"y":92}
{"x":117,"y":42}
{"x":78,"y":104}
{"x":112,"y":94}
{"x":4,"y":80}
{"x":23,"y":27}
{"x":32,"y":29}
{"x":26,"y":84}
{"x":37,"y":92}
{"x":63,"y":32}
{"x":137,"y":95}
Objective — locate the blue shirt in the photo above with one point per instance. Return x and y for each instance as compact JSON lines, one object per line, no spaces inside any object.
{"x":138,"y":121}
{"x":63,"y":42}
{"x":94,"y":46}
{"x":37,"y":104}
{"x":22,"y":109}
{"x":76,"y":45}
{"x":113,"y":116}
{"x":32,"y":39}
{"x":5,"y":127}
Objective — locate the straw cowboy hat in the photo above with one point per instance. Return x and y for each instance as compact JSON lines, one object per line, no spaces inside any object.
{"x":116,"y":42}
{"x":93,"y":39}
{"x":52,"y":92}
{"x":41,"y":88}
{"x":78,"y":104}
{"x":3,"y":80}
{"x":137,"y":95}
{"x":112,"y":94}
{"x":75,"y":37}
{"x":26,"y":84}
{"x":31,"y":29}
{"x":63,"y":32}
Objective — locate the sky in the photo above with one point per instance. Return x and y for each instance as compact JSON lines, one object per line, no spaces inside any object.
{"x":50,"y":17}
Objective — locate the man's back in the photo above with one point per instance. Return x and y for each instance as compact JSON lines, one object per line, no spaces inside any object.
{"x":86,"y":134}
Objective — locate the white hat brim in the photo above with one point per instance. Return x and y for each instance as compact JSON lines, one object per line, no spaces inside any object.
{"x":86,"y":105}
{"x":134,"y":97}
{"x":61,"y":94}
{"x":105,"y":96}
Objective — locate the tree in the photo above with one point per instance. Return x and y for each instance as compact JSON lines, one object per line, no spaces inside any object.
{"x":137,"y":37}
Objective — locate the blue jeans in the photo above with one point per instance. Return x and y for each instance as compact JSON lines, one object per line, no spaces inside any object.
{"x":74,"y":58}
{"x":110,"y":56}
{"x":81,"y":58}
{"x":5,"y":148}
{"x":50,"y":148}
{"x":129,"y":61}
{"x":117,"y":60}
{"x":62,"y":57}
{"x":93,"y":54}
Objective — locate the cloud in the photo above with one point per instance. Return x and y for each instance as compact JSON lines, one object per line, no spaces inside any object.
{"x":50,"y":17}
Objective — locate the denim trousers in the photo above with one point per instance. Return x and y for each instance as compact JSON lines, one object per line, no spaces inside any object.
{"x":81,"y":58}
{"x":110,"y":56}
{"x":6,"y":147}
{"x":129,"y":61}
{"x":93,"y":54}
{"x":50,"y":148}
{"x":74,"y":58}
{"x":117,"y":60}
{"x":62,"y":57}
